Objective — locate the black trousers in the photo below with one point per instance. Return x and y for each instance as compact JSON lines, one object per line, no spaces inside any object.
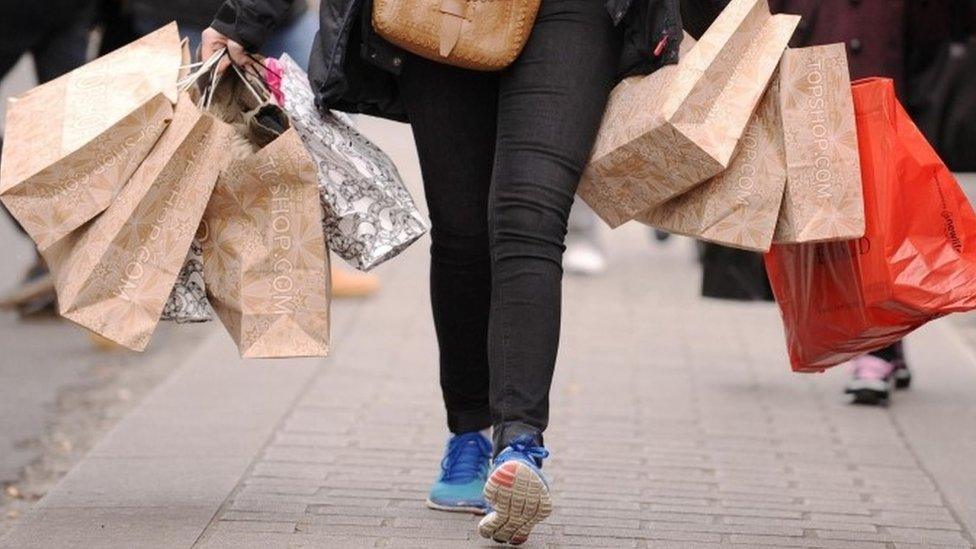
{"x":501,"y":155}
{"x":54,"y":32}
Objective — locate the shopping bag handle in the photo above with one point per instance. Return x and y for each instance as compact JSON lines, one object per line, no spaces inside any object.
{"x":202,"y":68}
{"x":261,"y":62}
{"x":261,"y":95}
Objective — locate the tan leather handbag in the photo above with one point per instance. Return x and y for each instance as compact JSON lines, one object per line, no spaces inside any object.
{"x":484,"y":35}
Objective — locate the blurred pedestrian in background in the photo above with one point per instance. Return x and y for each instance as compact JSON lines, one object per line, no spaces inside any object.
{"x":898,"y":39}
{"x":927,"y":48}
{"x":584,"y":253}
{"x":55,"y":34}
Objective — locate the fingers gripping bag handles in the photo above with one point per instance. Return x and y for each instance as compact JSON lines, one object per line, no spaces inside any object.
{"x":916,"y":261}
{"x":74,"y":142}
{"x":368,"y":213}
{"x":265,"y":260}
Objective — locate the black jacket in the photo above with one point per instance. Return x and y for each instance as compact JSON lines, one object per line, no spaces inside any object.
{"x":352,"y":69}
{"x":197,"y":12}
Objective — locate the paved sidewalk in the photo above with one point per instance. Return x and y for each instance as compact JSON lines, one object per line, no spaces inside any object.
{"x":58,"y":391}
{"x":675,"y":424}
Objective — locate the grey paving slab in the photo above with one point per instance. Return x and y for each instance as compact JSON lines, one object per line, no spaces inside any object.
{"x":655,"y":449}
{"x":109,"y":528}
{"x":34,"y":373}
{"x":939,"y":419}
{"x":147,"y":482}
{"x":159,"y":476}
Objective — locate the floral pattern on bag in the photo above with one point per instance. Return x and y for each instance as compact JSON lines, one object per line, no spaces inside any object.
{"x":188,"y":301}
{"x":368,"y":213}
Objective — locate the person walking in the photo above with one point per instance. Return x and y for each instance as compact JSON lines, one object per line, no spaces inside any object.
{"x":501,"y":155}
{"x":882,"y":38}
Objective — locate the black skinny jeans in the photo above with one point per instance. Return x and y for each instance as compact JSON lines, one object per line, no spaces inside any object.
{"x":501,"y":156}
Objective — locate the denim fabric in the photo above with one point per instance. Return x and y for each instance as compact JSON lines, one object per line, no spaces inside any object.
{"x":501,"y":156}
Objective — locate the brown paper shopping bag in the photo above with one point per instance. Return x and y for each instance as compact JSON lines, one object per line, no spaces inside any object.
{"x":73,"y":143}
{"x":265,"y":262}
{"x":664,"y":133}
{"x":823,"y":199}
{"x":264,"y":257}
{"x":115,"y":274}
{"x":740,"y":206}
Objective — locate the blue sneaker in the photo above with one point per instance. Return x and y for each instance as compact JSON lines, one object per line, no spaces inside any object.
{"x":517,"y":493}
{"x":463,"y":472}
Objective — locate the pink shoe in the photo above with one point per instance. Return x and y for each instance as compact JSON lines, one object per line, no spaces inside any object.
{"x":872,"y":380}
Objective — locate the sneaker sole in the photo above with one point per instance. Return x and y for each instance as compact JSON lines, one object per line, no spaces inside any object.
{"x":903,"y":380}
{"x":519,"y":500}
{"x":868,"y":396}
{"x":454,"y":509}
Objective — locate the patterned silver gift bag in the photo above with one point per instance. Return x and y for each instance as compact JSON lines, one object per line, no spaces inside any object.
{"x":188,"y":300}
{"x":368,"y":213}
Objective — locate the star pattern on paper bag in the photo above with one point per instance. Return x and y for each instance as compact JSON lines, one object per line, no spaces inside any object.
{"x":264,"y":253}
{"x":823,"y":194}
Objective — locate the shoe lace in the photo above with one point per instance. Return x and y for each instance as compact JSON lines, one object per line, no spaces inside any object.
{"x":466,"y":458}
{"x":528,"y":447}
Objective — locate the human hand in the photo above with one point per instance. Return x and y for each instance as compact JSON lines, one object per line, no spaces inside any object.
{"x":212,"y":41}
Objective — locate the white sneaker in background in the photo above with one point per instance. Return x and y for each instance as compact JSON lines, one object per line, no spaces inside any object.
{"x":583,"y":257}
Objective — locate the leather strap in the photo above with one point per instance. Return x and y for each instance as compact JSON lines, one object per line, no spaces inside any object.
{"x":453,"y":14}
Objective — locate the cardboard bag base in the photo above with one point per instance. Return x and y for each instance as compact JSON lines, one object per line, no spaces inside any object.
{"x":667,"y":132}
{"x":115,"y":275}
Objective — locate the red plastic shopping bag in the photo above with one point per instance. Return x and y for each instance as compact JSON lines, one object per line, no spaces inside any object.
{"x":916,"y":261}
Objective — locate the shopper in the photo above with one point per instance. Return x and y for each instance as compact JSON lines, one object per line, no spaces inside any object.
{"x":294,"y":35}
{"x":881,"y":36}
{"x":501,"y":155}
